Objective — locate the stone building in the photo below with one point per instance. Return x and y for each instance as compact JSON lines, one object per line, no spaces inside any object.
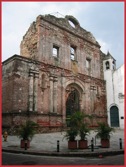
{"x":59,"y":71}
{"x":115,"y":91}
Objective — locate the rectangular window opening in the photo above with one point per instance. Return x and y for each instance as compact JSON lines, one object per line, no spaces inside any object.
{"x":72,"y":53}
{"x":88,"y":63}
{"x":55,"y":51}
{"x":88,"y":66}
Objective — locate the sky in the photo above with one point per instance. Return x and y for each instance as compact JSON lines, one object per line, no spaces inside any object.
{"x":105,"y":20}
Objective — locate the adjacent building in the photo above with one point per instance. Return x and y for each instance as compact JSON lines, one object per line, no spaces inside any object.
{"x":115,"y":91}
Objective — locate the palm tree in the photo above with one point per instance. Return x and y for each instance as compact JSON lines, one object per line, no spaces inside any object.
{"x":104,"y":132}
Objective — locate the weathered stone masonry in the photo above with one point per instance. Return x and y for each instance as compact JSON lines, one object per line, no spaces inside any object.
{"x":59,"y":72}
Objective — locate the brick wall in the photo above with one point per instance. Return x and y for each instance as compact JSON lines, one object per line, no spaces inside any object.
{"x":35,"y":84}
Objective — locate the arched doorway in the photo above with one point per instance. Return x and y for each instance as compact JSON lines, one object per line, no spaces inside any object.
{"x":72,"y":102}
{"x":114,"y":116}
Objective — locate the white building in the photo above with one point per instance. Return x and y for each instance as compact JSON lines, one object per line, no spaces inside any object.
{"x":115,"y":91}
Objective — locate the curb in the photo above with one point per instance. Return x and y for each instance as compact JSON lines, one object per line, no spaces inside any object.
{"x":66,"y":154}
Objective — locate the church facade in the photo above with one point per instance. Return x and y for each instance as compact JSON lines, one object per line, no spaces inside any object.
{"x":59,"y":71}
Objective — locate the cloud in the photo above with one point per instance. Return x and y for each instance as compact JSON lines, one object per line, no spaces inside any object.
{"x":105,"y":47}
{"x":17,"y":17}
{"x":104,"y":20}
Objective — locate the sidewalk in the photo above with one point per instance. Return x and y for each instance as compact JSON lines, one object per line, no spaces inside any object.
{"x":46,"y":144}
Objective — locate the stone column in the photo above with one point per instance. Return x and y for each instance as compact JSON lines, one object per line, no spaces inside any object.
{"x":51,"y":94}
{"x":82,"y":102}
{"x":55,"y":95}
{"x":31,"y":82}
{"x":63,"y":101}
{"x":36,"y":91}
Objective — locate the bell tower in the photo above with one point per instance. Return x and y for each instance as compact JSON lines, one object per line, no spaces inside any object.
{"x":109,"y":63}
{"x":109,"y":67}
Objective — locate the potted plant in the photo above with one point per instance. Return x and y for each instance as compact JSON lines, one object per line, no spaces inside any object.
{"x":26,"y":132}
{"x":71,"y":134}
{"x":104,"y":132}
{"x":83,"y":132}
{"x":72,"y":131}
{"x":76,"y":125}
{"x":78,"y":120}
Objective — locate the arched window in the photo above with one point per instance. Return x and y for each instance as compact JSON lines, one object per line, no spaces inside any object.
{"x":107,"y":65}
{"x":114,"y":116}
{"x":73,"y":102}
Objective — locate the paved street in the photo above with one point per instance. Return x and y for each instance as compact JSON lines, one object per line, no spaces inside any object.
{"x":47,"y":142}
{"x":23,"y":159}
{"x":43,"y":151}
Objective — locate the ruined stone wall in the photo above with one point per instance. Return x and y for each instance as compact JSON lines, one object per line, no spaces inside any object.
{"x":29,"y":43}
{"x":40,"y":83}
{"x":7,"y":86}
{"x":93,"y":101}
{"x":47,"y":103}
{"x":54,"y":33}
{"x":49,"y":31}
{"x":15,"y":86}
